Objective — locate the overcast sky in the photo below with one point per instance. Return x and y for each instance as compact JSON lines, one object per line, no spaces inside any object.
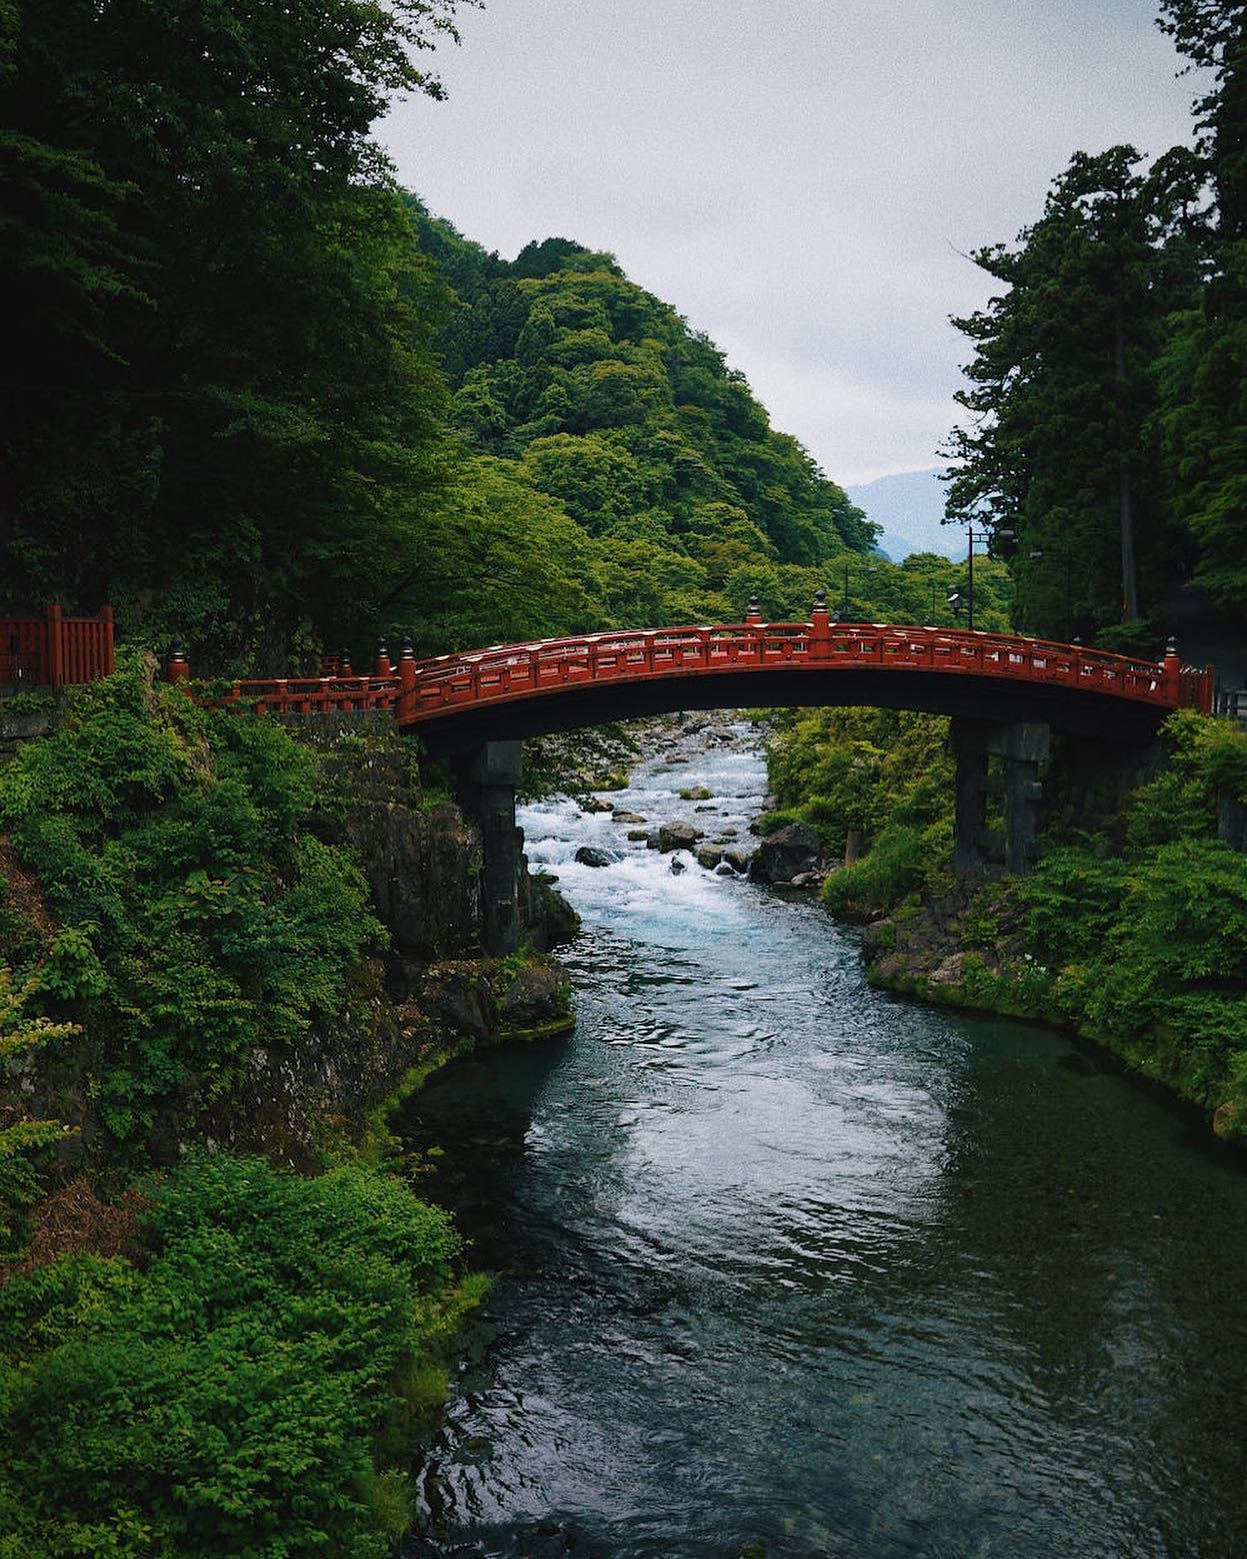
{"x":800,"y":178}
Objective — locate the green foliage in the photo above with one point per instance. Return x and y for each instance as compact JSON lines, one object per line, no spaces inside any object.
{"x":863,"y":769}
{"x":1153,"y":957}
{"x":1202,"y":373}
{"x":239,"y":1394}
{"x":903,"y":859}
{"x":883,"y":773}
{"x":219,"y":365}
{"x":197,"y":918}
{"x":1204,"y":758}
{"x":1151,"y":947}
{"x":596,"y":396}
{"x":23,"y":1142}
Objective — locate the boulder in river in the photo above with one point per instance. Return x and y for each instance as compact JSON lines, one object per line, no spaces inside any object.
{"x":786,"y":853}
{"x":696,"y":793}
{"x":596,"y":804}
{"x":709,"y":856}
{"x":590,"y":855}
{"x":678,"y":836}
{"x":627,"y":817}
{"x":724,"y":870}
{"x":678,"y":865}
{"x":638,"y":833}
{"x":738,"y":860}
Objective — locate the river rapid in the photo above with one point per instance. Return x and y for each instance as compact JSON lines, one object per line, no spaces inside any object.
{"x":788,"y":1266}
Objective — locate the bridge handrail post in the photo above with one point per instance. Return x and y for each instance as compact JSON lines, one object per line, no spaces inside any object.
{"x":820,"y":628}
{"x":405,"y":701}
{"x":1171,"y":674}
{"x":110,"y":640}
{"x":177,"y":666}
{"x":54,"y":660}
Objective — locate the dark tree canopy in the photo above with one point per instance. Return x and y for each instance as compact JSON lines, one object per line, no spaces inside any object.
{"x":1203,"y":370}
{"x":219,"y":404}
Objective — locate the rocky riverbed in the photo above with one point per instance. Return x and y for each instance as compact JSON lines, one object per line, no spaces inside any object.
{"x":692,"y":824}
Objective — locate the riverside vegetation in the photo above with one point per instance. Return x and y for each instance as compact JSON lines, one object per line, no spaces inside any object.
{"x":257,"y":395}
{"x":1131,"y":930}
{"x":206,"y":1351}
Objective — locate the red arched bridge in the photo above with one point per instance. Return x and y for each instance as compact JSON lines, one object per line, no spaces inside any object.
{"x":454,"y":703}
{"x":1004,"y":691}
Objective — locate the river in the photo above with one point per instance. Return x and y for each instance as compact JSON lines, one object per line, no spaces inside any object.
{"x":788,"y":1266}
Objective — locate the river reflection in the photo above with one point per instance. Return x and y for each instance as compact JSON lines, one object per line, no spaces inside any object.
{"x":786,"y":1262}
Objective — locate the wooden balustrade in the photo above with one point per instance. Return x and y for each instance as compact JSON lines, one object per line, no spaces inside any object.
{"x":418,"y":690}
{"x":56,"y":651}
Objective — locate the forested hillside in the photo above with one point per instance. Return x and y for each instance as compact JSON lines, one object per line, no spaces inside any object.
{"x":1107,"y":426}
{"x":255,"y":396}
{"x":598,"y":395}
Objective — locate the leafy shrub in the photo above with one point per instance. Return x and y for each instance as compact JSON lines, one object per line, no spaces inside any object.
{"x":226,"y":1399}
{"x":1071,"y":900}
{"x":25,"y":1140}
{"x":863,"y":769}
{"x":198,"y":918}
{"x":904,"y":859}
{"x":1204,"y":757}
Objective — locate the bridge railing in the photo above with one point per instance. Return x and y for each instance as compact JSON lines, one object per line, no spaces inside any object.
{"x":307,"y":695}
{"x":419,"y":690}
{"x":516,"y":671}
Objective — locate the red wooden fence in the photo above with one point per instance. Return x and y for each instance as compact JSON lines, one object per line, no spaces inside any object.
{"x":54,"y":650}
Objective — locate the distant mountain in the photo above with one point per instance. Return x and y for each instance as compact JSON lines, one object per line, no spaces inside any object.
{"x":909,"y":506}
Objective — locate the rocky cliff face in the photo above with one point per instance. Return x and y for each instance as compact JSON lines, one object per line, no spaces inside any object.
{"x":430,"y":996}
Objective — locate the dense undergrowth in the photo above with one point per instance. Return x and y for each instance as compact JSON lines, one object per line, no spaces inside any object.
{"x":1132,"y":929}
{"x":243,"y":1372}
{"x":246,"y":1390}
{"x":194,"y":917}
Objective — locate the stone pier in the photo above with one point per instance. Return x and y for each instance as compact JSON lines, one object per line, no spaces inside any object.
{"x":1022,"y":746}
{"x":486,"y":782}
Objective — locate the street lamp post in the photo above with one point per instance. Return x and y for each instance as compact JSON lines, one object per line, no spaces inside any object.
{"x":979,"y":539}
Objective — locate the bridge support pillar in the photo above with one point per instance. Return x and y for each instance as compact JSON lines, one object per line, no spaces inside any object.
{"x":486,"y":782}
{"x":1021,"y":747}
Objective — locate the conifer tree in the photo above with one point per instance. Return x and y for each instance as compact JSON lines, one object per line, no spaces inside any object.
{"x":1057,"y":447}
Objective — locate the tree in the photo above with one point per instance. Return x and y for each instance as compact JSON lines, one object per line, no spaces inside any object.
{"x":222,"y":403}
{"x":1057,"y":450}
{"x":1202,"y":374}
